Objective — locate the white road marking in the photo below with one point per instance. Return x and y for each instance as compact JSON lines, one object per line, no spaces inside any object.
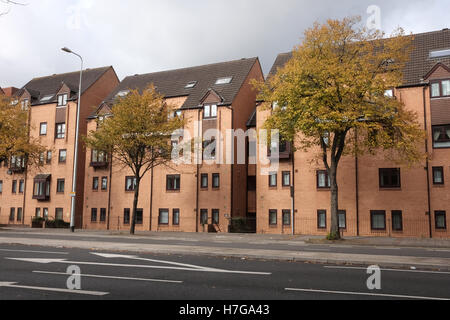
{"x":438,"y":250}
{"x":29,"y":251}
{"x":120,"y":256}
{"x":392,"y":270}
{"x":63,"y":261}
{"x":108,"y":277}
{"x":90,"y":293}
{"x":367,"y":294}
{"x":387,"y":248}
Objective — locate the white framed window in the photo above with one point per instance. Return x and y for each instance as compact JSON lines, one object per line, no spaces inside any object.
{"x":62,"y":100}
{"x":191,"y":85}
{"x":225,"y":80}
{"x":43,"y":129}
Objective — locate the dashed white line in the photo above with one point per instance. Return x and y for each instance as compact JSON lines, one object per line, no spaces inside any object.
{"x":108,"y":277}
{"x":30,"y":251}
{"x":82,"y":292}
{"x":391,"y":270}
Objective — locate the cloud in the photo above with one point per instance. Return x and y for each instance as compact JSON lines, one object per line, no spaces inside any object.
{"x":138,"y":36}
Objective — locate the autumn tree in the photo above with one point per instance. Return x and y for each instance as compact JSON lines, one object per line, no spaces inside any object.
{"x":335,"y":96}
{"x":137,"y":135}
{"x":15,"y":140}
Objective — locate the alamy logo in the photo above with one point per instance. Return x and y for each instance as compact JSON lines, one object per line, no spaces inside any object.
{"x":374,"y":19}
{"x":374,"y":281}
{"x":74,"y":280}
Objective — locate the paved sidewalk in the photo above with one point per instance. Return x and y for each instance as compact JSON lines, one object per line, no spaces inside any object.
{"x":201,"y":244}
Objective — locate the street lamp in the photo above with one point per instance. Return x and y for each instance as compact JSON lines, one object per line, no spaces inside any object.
{"x":75,"y":163}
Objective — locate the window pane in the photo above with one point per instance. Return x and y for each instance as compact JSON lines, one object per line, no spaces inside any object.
{"x":322,"y":219}
{"x":397,"y":221}
{"x":438,"y":175}
{"x":213,"y":111}
{"x":446,"y":88}
{"x":216,"y":180}
{"x":435,"y":90}
{"x":176,"y":217}
{"x":342,"y":220}
{"x":378,"y":221}
{"x":207,"y":112}
{"x":273,"y":217}
{"x":164,"y":217}
{"x":215,"y":216}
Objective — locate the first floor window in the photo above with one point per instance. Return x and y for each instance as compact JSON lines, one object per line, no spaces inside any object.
{"x":43,"y":129}
{"x":95,"y":183}
{"x":216,"y":180}
{"x":323,"y":180}
{"x":273,"y":217}
{"x":441,"y":136}
{"x":164,"y":216}
{"x":94,"y":215}
{"x":286,"y":217}
{"x":62,"y":156}
{"x":14,"y":186}
{"x":130,"y":183}
{"x":390,"y":178}
{"x":215,"y":216}
{"x":322,"y":219}
{"x":176,"y":217}
{"x":342,"y":219}
{"x":173,"y":182}
{"x":41,"y":190}
{"x":204,"y":181}
{"x":441,"y":220}
{"x":104,"y":183}
{"x":49,"y":157}
{"x":204,"y":216}
{"x":438,"y":175}
{"x":60,"y":186}
{"x":378,"y":220}
{"x":273,"y":177}
{"x":286,"y":179}
{"x":60,"y":130}
{"x":397,"y":220}
{"x":102,"y":214}
{"x":59,"y":215}
{"x":126,"y":216}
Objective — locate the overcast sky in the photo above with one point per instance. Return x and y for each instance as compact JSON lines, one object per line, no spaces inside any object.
{"x":142,"y":36}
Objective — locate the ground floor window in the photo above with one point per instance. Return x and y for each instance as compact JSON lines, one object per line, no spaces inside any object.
{"x":12,"y":215}
{"x":322,"y":219}
{"x":204,"y":216}
{"x":126,"y":216}
{"x":139,"y":216}
{"x":342,"y":216}
{"x":93,"y":215}
{"x":215,"y":216}
{"x":103,"y":215}
{"x":441,"y":220}
{"x":176,"y":217}
{"x":59,"y":215}
{"x":19,"y":214}
{"x":378,"y":220}
{"x":273,"y":217}
{"x":286,"y":217}
{"x":397,"y":220}
{"x":164,"y":216}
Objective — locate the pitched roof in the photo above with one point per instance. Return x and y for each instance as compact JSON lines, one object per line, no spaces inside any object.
{"x":50,"y":85}
{"x":420,"y":62}
{"x":173,"y":83}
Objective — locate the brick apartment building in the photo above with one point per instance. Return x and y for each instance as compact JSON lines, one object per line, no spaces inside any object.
{"x":28,"y":192}
{"x":377,"y":198}
{"x":186,"y":197}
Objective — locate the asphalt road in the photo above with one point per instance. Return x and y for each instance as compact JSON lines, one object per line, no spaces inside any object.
{"x":256,"y":244}
{"x":171,"y":277}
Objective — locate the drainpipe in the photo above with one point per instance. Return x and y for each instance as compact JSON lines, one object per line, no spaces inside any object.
{"x":357,"y":185}
{"x":198,"y":178}
{"x":293,"y":193}
{"x":109,"y":192}
{"x":151,"y":196}
{"x":427,"y":163}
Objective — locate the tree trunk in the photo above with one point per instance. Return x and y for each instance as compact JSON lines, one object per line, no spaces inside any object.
{"x":335,"y":232}
{"x":135,"y":204}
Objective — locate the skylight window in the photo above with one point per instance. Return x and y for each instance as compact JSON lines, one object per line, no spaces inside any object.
{"x":191,"y":85}
{"x":440,"y":53}
{"x":226,"y":80}
{"x":46,"y":98}
{"x":122,"y":93}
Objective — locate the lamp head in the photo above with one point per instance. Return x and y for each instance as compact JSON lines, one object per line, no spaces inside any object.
{"x":66,"y":50}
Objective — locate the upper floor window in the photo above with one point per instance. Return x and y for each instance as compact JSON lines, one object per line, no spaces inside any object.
{"x":323,"y":180}
{"x":438,"y":175}
{"x":25,"y":103}
{"x":173,"y":182}
{"x":62,"y":100}
{"x":210,"y":111}
{"x":440,"y":88}
{"x":216,"y":180}
{"x":441,"y":136}
{"x":62,"y":156}
{"x":99,"y":156}
{"x":130,"y":183}
{"x":60,"y":130}
{"x":43,"y":129}
{"x":209,"y":149}
{"x":390,"y":178}
{"x":273,"y":179}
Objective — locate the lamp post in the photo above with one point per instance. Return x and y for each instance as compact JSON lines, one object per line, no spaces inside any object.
{"x":75,"y":163}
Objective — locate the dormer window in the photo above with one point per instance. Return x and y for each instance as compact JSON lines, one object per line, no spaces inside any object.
{"x":210,"y":111}
{"x":62,"y":100}
{"x":440,"y":88}
{"x":191,"y":85}
{"x":389,"y":93}
{"x":226,"y":80}
{"x":25,"y":104}
{"x":440,"y":53}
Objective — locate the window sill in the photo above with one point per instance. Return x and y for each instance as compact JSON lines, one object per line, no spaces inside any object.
{"x":391,"y":189}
